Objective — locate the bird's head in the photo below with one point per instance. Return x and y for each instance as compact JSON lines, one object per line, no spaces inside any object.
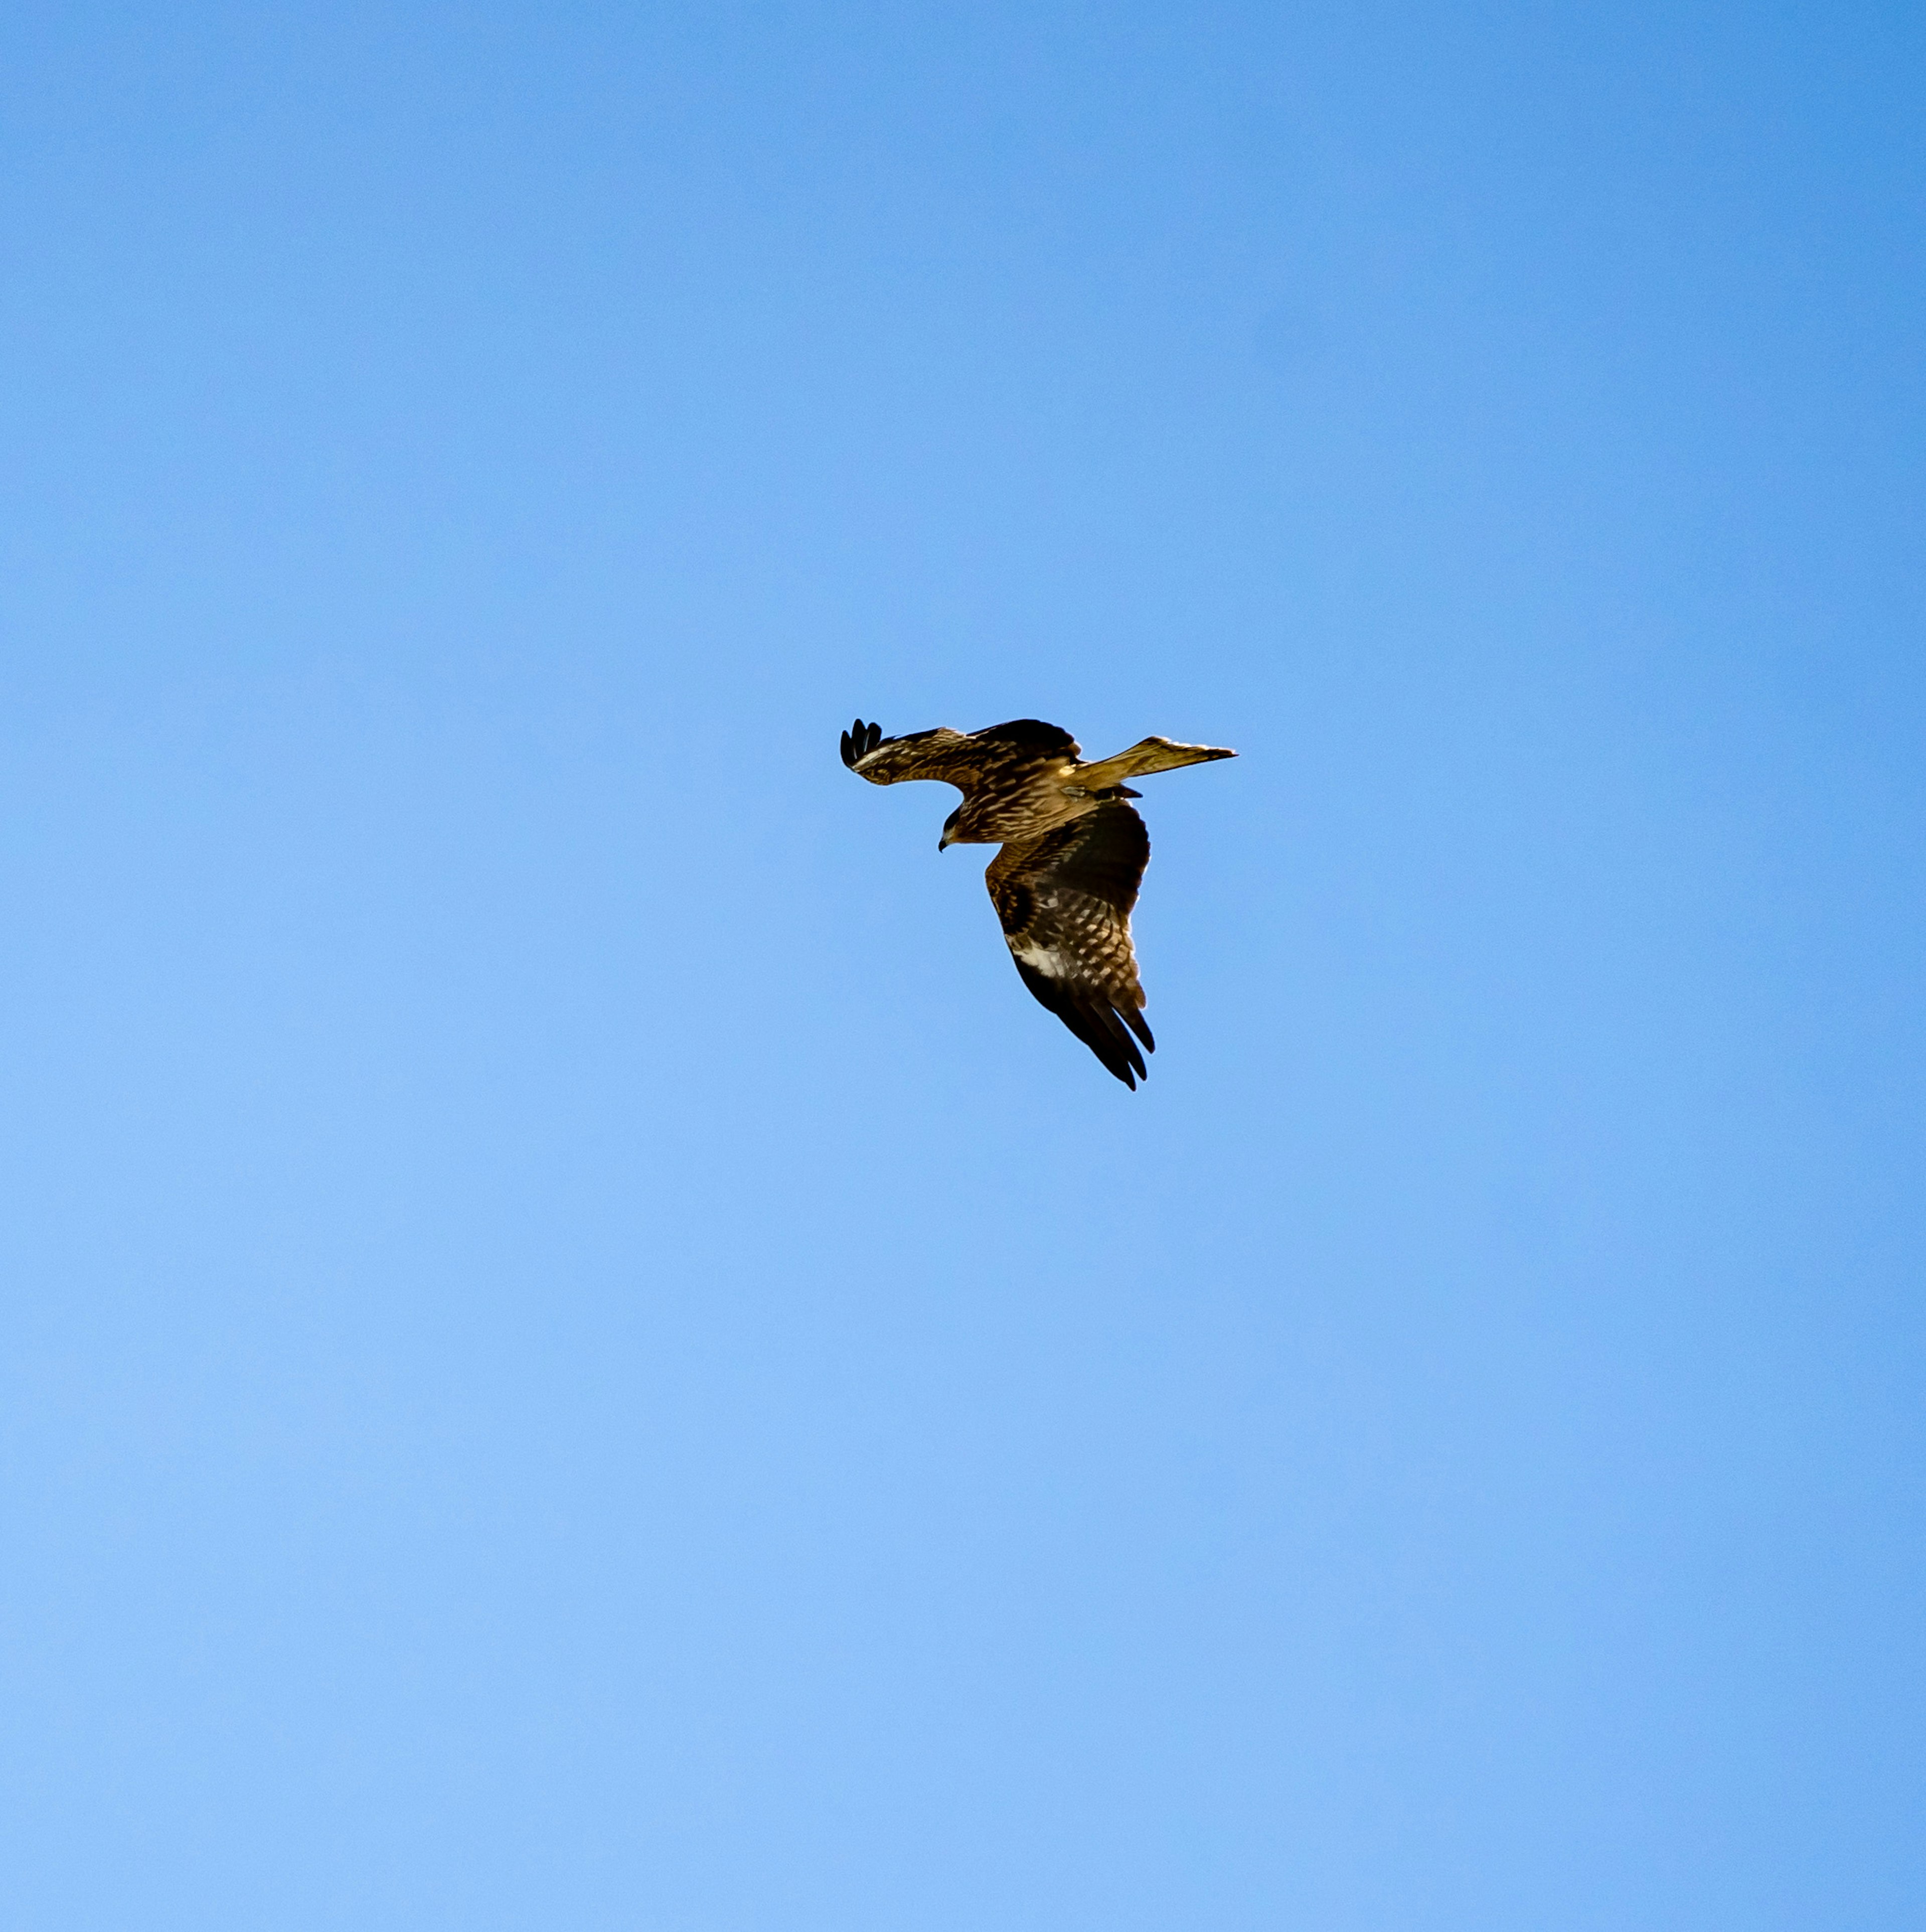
{"x":949,"y":837}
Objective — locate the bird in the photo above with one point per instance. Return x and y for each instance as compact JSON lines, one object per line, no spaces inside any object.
{"x":1073,"y":858}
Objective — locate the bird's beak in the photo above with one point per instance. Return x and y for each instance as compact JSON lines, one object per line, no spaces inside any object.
{"x":943,"y":843}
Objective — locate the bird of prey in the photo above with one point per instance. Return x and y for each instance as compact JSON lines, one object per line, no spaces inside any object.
{"x":1073,"y":857}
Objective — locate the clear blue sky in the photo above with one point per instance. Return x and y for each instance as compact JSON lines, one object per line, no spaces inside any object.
{"x":577,"y":1354}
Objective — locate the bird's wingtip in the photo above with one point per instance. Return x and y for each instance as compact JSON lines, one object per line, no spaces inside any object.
{"x":859,"y":741}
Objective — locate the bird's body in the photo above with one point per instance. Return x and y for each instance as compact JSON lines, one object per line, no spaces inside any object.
{"x":1073,"y":855}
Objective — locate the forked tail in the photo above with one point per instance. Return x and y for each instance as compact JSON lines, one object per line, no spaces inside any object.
{"x":1153,"y":754}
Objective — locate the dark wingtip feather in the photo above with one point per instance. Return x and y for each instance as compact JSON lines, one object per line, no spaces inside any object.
{"x":859,"y":741}
{"x":1096,"y":1026}
{"x":1106,"y":1018}
{"x":1125,"y":1063}
{"x":1134,"y":1019}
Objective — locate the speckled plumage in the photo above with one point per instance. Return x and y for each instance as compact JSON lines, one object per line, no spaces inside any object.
{"x":1073,"y":855}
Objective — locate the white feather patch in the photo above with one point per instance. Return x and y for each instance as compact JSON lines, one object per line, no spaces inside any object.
{"x":1043,"y":958}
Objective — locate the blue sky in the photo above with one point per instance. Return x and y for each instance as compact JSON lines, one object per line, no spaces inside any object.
{"x":577,"y":1352}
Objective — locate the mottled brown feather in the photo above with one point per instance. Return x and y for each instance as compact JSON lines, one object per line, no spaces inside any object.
{"x":1064,"y":901}
{"x":1073,"y":856}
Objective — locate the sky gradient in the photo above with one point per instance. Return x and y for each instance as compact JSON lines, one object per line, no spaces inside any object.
{"x":577,"y":1352}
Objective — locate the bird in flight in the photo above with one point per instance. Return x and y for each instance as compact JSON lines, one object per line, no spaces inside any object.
{"x":1073,"y":857}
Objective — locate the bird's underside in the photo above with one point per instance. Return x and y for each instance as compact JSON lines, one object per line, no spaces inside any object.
{"x":1073,"y":855}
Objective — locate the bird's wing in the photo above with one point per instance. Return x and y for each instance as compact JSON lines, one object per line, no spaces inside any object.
{"x":966,"y":760}
{"x":1065,"y":901}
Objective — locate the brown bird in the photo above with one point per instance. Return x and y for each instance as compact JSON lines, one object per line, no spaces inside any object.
{"x":1073,"y":857}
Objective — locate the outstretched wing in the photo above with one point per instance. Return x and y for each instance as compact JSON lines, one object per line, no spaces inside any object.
{"x":1065,"y":901}
{"x":918,"y":755}
{"x":966,"y":759}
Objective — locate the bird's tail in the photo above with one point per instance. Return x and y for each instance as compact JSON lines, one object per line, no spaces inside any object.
{"x":1153,"y":754}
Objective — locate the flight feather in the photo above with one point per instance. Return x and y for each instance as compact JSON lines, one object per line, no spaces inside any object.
{"x":1073,"y":858}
